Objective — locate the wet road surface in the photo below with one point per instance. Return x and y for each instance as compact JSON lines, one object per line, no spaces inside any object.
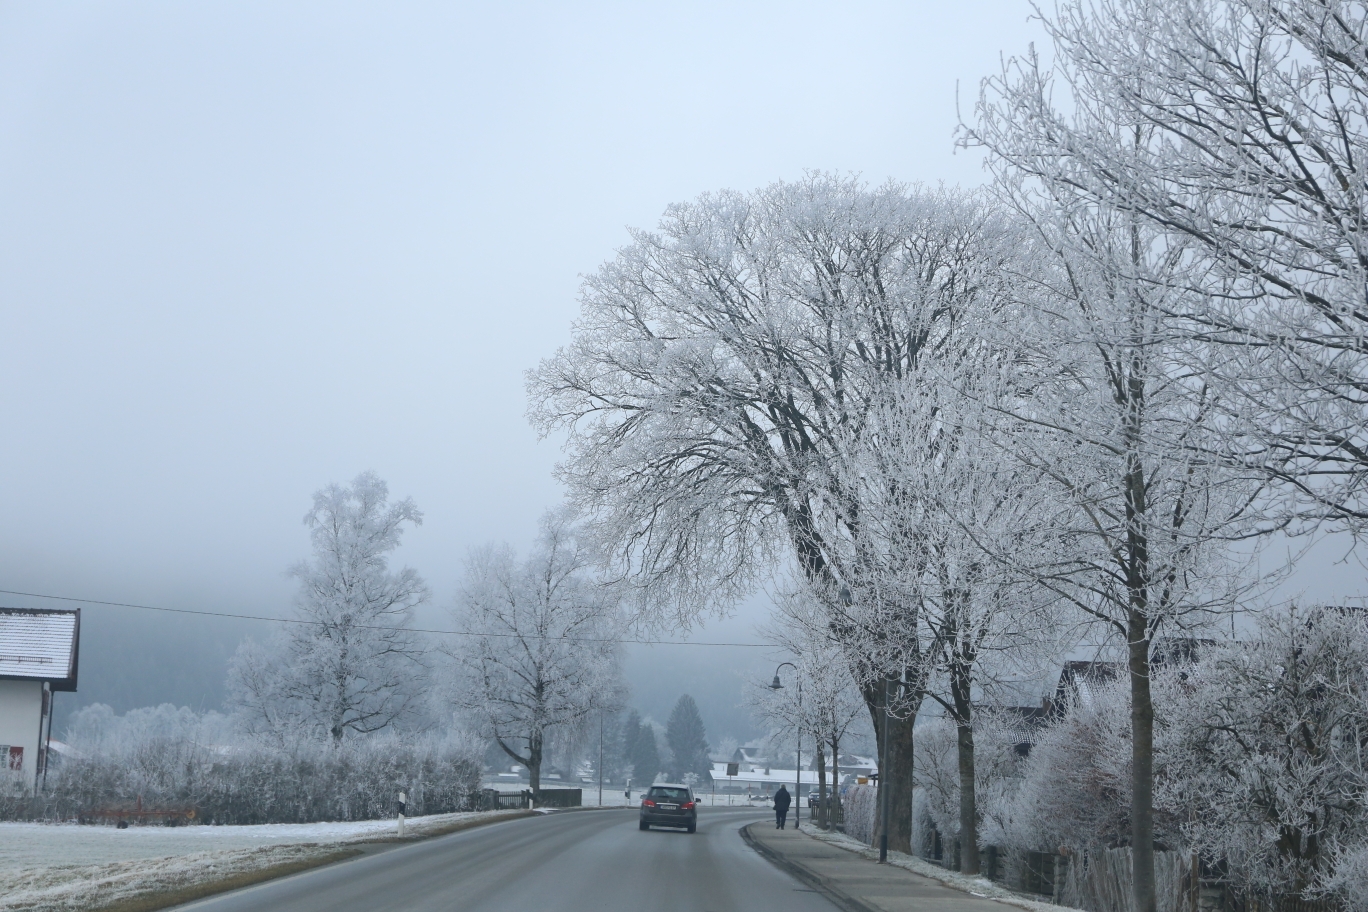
{"x":577,"y":861}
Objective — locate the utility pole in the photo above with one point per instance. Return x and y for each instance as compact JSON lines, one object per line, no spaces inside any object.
{"x":600,"y":763}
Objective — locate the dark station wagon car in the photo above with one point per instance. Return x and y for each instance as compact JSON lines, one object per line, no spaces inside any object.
{"x":669,"y":805}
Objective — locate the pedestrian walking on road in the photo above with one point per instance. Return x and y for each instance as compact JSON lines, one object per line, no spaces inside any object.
{"x":781,"y":805}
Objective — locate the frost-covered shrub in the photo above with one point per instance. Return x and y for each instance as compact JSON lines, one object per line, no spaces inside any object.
{"x":861,"y":806}
{"x":937,"y":773}
{"x":1266,"y":751}
{"x":936,"y":769}
{"x":1261,"y":763}
{"x":1074,"y":787}
{"x":177,"y":759}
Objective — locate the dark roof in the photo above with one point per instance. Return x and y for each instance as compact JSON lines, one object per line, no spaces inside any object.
{"x":1028,"y":716}
{"x":40,"y":644}
{"x":1023,"y":723}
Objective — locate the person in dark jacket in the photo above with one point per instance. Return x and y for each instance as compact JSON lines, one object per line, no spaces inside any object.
{"x":782,"y":799}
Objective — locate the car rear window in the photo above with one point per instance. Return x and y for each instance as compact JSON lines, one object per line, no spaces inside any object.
{"x":668,"y":793}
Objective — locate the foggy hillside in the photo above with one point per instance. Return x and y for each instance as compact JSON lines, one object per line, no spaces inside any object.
{"x":132,"y":658}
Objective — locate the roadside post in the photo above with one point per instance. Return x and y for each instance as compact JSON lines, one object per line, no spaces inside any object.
{"x":403,"y":801}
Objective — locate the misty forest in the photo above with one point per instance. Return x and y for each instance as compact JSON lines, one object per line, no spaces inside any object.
{"x":1017,"y":472}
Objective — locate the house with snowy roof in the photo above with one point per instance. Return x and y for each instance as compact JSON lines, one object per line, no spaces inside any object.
{"x":39,"y":648}
{"x":1079,"y":681}
{"x":750,"y":756}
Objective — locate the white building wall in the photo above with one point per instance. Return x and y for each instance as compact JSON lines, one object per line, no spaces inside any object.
{"x":21,"y":715}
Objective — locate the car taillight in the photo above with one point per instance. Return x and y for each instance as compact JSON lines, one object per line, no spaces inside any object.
{"x":647,"y":802}
{"x":688,"y":805}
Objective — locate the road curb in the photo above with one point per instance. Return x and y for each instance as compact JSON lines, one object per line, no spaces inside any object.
{"x":816,"y":881}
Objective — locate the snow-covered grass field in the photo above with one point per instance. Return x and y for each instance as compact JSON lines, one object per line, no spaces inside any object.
{"x":68,"y":867}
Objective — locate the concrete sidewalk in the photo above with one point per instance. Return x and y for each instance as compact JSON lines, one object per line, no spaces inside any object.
{"x":857,"y":884}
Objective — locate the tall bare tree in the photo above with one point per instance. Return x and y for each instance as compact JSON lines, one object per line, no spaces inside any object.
{"x":718,"y":370}
{"x":1125,"y":418}
{"x":538,"y":650}
{"x":974,"y":518}
{"x":351,"y":664}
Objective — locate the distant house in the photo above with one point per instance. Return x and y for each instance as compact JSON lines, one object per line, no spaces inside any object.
{"x":1080,"y":680}
{"x":750,"y":757}
{"x":762,"y":780}
{"x":38,"y":657}
{"x":1023,"y":723}
{"x":854,"y":765}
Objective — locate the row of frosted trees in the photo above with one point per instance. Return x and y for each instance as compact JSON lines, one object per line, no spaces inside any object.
{"x":976,"y":429}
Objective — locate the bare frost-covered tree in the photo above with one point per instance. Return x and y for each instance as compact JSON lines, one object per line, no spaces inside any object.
{"x":1118,"y":413}
{"x":959,"y":520}
{"x":537,"y":649}
{"x":1239,"y":128}
{"x":720,"y":368}
{"x":350,"y":663}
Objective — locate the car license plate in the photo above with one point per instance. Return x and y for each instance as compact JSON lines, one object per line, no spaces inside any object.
{"x":669,"y":807}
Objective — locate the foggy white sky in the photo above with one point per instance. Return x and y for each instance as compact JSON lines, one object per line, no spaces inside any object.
{"x":250,"y":248}
{"x":247,"y":249}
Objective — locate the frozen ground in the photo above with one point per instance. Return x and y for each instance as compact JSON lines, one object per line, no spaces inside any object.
{"x":60,"y":867}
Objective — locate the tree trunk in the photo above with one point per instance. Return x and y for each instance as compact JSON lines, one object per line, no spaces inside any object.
{"x":821,"y":787}
{"x":1142,"y":767}
{"x":836,"y":783}
{"x":533,"y":760}
{"x":534,"y":765}
{"x":960,"y":685}
{"x":898,"y":777}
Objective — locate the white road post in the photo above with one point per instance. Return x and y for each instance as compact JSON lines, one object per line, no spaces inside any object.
{"x":403,"y":800}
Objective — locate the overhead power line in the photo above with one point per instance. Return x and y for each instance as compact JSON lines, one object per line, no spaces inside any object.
{"x":273,"y":620}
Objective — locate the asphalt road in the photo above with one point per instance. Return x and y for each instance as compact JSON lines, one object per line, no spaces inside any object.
{"x":577,"y":861}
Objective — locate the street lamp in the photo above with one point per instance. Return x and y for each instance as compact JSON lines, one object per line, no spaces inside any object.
{"x":798,"y":773}
{"x":885,"y":787}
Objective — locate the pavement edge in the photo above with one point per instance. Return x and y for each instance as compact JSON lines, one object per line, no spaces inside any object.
{"x":842,"y":899}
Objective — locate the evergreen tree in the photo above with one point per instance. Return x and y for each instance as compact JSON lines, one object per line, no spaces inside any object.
{"x":687,"y":740}
{"x":645,"y":756}
{"x":631,"y":730}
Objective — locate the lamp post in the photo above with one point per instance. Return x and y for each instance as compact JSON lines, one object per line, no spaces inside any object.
{"x":798,"y":725}
{"x":885,"y":789}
